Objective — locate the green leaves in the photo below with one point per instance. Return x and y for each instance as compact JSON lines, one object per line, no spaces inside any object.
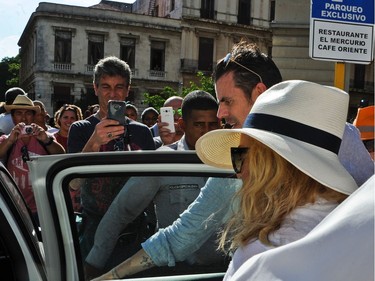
{"x":157,"y":100}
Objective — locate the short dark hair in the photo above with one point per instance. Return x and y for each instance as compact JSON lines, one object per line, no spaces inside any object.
{"x":249,"y":56}
{"x":111,"y":66}
{"x":197,"y":100}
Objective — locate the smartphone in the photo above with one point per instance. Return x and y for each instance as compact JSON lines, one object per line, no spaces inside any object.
{"x":167,"y":116}
{"x":116,"y":111}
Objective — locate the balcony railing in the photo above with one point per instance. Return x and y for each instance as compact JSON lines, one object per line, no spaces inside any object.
{"x":157,"y":73}
{"x":90,"y":68}
{"x":58,"y":66}
{"x":134,"y":72}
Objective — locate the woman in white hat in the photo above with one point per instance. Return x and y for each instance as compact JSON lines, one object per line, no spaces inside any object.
{"x":286,"y":156}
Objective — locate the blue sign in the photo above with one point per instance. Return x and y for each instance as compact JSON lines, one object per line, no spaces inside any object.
{"x":354,"y":11}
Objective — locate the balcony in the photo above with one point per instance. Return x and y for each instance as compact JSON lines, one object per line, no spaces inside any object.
{"x":134,"y":72}
{"x":157,"y":73}
{"x":59,"y":66}
{"x":89,"y":68}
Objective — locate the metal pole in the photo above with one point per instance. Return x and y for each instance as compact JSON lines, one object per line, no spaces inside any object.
{"x":340,"y":75}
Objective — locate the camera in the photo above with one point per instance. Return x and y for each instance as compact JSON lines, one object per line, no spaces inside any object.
{"x":27,"y":130}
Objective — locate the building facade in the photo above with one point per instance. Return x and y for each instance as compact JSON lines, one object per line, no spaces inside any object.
{"x":166,"y":42}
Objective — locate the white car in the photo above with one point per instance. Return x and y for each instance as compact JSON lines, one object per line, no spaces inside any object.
{"x":340,"y":248}
{"x":53,"y":251}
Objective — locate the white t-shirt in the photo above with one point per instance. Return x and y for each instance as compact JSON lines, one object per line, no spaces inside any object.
{"x":6,"y":123}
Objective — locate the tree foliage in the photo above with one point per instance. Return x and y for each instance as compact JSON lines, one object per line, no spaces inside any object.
{"x":206,"y":84}
{"x":9,"y":74}
{"x":157,"y":101}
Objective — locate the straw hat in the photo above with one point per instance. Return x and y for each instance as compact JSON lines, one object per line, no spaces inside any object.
{"x":364,"y":121}
{"x":22,"y":102}
{"x":301,"y":121}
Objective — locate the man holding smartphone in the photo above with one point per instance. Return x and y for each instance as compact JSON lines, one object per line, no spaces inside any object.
{"x":111,"y":81}
{"x":162,"y":135}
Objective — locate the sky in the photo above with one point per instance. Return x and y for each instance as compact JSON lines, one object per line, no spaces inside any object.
{"x":14,"y":15}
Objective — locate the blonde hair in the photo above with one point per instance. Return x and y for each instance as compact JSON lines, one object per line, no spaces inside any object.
{"x":272,"y":190}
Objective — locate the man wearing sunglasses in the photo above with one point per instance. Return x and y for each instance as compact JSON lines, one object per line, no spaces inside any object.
{"x":240,"y":78}
{"x":25,"y":139}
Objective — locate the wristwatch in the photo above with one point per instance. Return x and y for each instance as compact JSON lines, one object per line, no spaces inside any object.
{"x":49,"y":142}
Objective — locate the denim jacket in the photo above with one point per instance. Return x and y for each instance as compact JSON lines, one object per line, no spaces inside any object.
{"x":196,"y":225}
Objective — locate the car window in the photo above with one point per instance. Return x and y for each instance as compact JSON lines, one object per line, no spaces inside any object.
{"x":120,"y":212}
{"x":121,"y":199}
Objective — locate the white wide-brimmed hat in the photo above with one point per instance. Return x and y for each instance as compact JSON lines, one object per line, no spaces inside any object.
{"x":301,"y":121}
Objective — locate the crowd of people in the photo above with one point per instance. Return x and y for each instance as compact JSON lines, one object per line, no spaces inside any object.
{"x":296,"y":159}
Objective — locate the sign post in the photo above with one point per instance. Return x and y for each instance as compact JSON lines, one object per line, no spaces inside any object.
{"x":342,"y":31}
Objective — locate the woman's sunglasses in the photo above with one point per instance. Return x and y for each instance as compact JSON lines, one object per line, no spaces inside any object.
{"x":238,"y":155}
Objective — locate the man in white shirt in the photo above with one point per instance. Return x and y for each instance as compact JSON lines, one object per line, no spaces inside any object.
{"x":6,"y":122}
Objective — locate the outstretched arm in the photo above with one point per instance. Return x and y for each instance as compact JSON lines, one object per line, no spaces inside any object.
{"x":134,"y":197}
{"x":187,"y":234}
{"x":138,"y":262}
{"x":196,"y":225}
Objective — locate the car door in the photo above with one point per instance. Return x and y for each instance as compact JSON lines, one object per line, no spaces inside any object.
{"x":21,"y":249}
{"x":52,"y":175}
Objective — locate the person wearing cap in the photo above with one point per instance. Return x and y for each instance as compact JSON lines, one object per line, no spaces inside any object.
{"x":6,"y":122}
{"x":364,"y":121}
{"x":240,"y":78}
{"x":287,"y":157}
{"x":26,"y":139}
{"x":149,"y":116}
{"x":131,"y":111}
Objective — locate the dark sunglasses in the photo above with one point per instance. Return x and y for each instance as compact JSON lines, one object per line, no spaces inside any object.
{"x":238,"y":155}
{"x":25,"y":153}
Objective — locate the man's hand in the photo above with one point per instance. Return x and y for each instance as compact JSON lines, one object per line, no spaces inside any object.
{"x":105,"y":131}
{"x":165,"y":134}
